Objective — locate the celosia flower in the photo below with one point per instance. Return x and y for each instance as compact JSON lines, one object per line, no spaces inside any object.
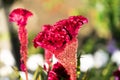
{"x":60,"y":39}
{"x":117,"y":74}
{"x":56,"y":36}
{"x":58,"y":72}
{"x":20,"y":16}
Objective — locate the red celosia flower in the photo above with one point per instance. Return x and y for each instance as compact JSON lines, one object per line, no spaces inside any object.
{"x":60,"y":39}
{"x":56,"y":36}
{"x":58,"y":72}
{"x":20,"y":16}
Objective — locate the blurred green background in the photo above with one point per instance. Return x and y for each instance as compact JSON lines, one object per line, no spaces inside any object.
{"x":99,"y":40}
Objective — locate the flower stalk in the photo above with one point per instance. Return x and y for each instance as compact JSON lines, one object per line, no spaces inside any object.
{"x":22,"y":33}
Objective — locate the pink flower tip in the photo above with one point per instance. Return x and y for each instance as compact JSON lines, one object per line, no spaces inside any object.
{"x":56,"y":36}
{"x":20,"y":16}
{"x":23,"y":67}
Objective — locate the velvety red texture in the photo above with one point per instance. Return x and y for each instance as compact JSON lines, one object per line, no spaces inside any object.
{"x":20,"y":16}
{"x":56,"y":36}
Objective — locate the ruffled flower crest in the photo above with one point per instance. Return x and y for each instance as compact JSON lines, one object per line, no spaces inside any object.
{"x":20,"y":16}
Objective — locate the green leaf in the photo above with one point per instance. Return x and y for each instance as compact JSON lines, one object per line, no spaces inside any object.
{"x":78,"y":63}
{"x":17,"y":73}
{"x":85,"y":76}
{"x":40,"y":74}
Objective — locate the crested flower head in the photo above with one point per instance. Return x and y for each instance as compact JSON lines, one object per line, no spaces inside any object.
{"x":20,"y":16}
{"x":56,"y":36}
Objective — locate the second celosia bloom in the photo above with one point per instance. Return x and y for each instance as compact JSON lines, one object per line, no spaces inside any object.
{"x":20,"y":16}
{"x":57,"y":72}
{"x":60,"y":39}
